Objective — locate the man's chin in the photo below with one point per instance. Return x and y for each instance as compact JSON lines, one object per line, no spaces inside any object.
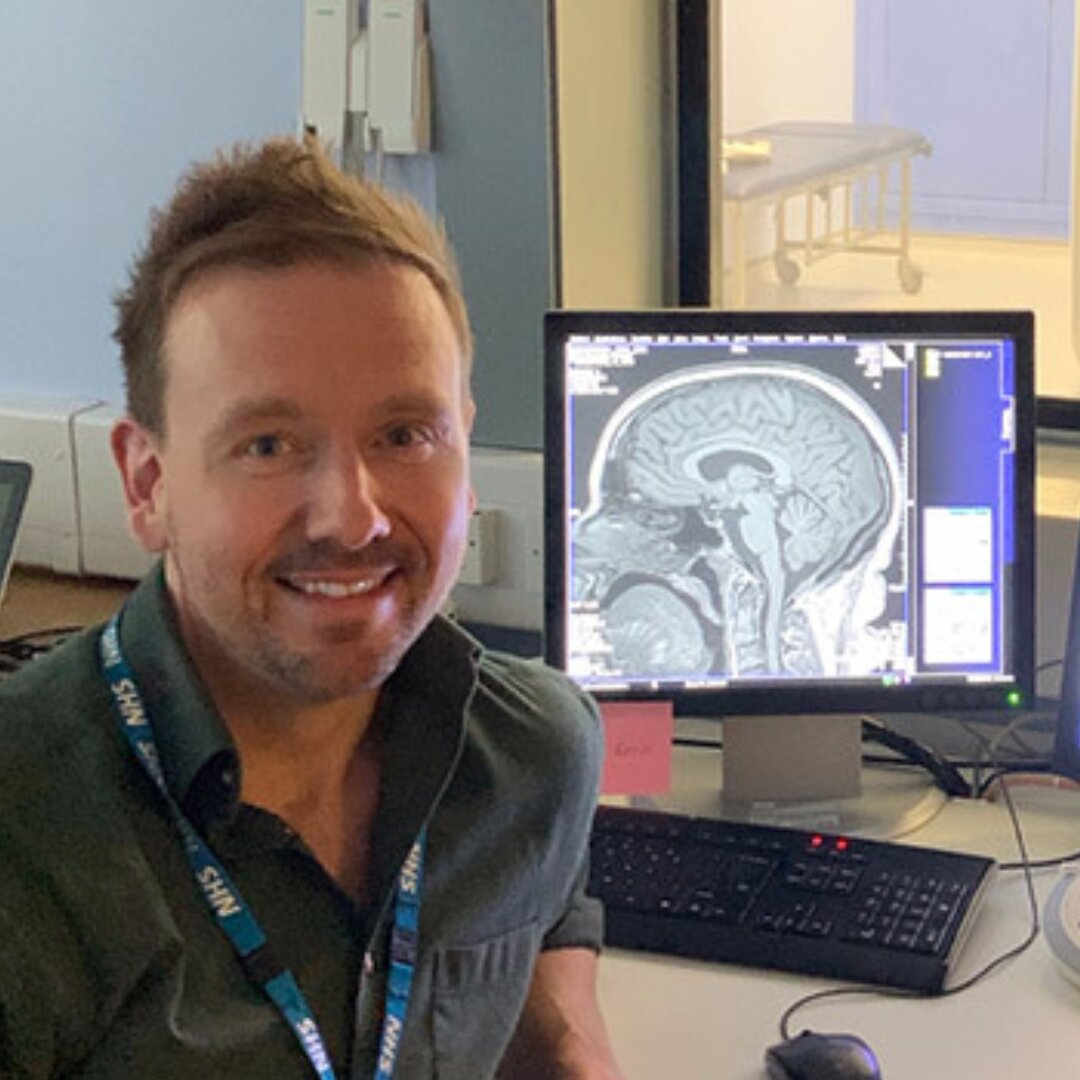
{"x":349,"y":664}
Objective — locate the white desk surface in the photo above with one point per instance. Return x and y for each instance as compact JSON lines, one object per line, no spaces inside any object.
{"x":687,"y":1020}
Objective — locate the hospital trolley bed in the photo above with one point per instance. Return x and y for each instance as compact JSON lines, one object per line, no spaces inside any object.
{"x":830,"y":168}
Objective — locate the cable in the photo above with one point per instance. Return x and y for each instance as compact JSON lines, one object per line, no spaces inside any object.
{"x":948,"y":777}
{"x":1033,"y":905}
{"x":696,"y":743}
{"x":984,"y":972}
{"x":31,"y":636}
{"x":1002,"y":781}
{"x":20,"y":650}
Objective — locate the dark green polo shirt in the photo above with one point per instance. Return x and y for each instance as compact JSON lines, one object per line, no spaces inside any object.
{"x":112,"y":966}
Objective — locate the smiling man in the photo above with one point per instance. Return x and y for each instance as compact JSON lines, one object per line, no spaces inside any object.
{"x":280,"y":818}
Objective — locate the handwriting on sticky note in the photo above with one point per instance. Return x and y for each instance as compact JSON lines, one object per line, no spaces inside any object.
{"x":637,"y":758}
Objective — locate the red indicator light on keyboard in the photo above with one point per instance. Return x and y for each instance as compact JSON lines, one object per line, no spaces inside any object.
{"x":842,"y":844}
{"x":816,"y":840}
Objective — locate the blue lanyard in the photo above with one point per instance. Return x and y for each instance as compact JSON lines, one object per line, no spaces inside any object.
{"x":234,"y":916}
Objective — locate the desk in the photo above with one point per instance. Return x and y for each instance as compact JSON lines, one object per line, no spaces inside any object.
{"x":688,"y":1020}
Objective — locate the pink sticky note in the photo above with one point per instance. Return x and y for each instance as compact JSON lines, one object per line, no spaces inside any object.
{"x":637,"y":759}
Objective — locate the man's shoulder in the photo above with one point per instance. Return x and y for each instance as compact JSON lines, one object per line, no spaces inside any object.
{"x":532,"y":685}
{"x":534,"y":701}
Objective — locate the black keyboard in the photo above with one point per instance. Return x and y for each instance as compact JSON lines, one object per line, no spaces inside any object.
{"x":856,"y":910}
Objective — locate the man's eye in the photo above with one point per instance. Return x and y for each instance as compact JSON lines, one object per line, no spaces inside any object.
{"x":405,"y":437}
{"x":265,"y":446}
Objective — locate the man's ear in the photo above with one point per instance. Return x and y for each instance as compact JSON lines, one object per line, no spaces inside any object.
{"x":138,"y":457}
{"x":469,"y":417}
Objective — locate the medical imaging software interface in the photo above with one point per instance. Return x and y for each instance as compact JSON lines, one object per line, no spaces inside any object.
{"x":743,"y":510}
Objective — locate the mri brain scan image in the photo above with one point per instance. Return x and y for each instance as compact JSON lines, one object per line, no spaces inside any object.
{"x":741,"y":521}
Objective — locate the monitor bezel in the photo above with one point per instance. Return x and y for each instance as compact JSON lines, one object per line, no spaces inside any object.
{"x":773,"y":698}
{"x":15,"y":475}
{"x":1065,"y":760}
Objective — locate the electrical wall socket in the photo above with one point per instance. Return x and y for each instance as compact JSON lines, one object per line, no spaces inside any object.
{"x":481,"y":564}
{"x":510,"y":482}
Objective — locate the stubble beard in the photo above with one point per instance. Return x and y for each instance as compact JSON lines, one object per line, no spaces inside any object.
{"x":307,"y":677}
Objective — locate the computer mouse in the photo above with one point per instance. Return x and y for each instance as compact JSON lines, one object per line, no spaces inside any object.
{"x":816,"y":1056}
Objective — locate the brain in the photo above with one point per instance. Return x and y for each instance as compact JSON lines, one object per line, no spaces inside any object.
{"x":681,"y":447}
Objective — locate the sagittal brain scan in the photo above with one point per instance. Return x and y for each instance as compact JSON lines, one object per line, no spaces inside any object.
{"x":741,"y":519}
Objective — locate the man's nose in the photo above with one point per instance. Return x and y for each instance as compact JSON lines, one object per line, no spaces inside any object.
{"x":345,"y":505}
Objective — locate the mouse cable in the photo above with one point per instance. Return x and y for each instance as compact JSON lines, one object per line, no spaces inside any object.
{"x":1003,"y":780}
{"x":986,"y":970}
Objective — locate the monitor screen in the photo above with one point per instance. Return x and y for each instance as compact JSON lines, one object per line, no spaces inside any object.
{"x":754,"y":512}
{"x":14,"y":487}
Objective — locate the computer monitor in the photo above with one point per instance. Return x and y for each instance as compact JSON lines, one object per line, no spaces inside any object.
{"x":1066,"y":754}
{"x":14,"y":487}
{"x":792,"y":519}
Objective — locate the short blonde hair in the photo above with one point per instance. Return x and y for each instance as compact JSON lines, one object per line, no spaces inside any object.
{"x":275,"y":204}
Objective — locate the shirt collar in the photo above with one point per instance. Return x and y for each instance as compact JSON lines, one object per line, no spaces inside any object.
{"x":423,"y":705}
{"x":196,"y":751}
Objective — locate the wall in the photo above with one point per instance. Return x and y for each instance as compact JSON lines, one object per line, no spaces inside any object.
{"x":103,"y":103}
{"x":106,"y":101}
{"x":492,"y":175}
{"x":787,"y":60}
{"x":783,"y":60}
{"x":611,"y":115}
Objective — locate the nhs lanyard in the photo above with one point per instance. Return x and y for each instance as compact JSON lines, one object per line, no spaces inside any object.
{"x":234,"y":916}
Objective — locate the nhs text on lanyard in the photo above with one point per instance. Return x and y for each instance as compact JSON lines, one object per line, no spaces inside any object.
{"x":234,"y":916}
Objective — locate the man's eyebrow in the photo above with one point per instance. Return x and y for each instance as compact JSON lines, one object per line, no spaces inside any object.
{"x":419,"y":402}
{"x":250,"y":411}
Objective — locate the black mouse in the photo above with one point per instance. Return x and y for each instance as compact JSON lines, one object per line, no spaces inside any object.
{"x":814,"y":1056}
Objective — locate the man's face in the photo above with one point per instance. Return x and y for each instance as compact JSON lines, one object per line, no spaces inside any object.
{"x":310,"y":494}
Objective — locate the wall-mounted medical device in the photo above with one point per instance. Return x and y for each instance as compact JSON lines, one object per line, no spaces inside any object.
{"x":366,"y":76}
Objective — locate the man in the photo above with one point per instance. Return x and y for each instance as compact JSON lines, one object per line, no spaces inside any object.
{"x":281,"y":818}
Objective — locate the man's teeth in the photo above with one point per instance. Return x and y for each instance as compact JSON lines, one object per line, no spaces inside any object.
{"x":336,"y":590}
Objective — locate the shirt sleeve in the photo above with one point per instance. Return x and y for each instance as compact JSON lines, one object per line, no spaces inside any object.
{"x":581,"y":924}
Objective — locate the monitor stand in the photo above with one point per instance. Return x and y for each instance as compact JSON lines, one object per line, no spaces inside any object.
{"x":798,"y":771}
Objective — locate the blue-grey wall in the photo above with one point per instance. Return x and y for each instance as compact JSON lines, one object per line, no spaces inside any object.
{"x":493,"y":179}
{"x":102,"y":105}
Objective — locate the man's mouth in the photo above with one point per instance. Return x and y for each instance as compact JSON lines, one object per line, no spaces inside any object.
{"x":335,"y":588}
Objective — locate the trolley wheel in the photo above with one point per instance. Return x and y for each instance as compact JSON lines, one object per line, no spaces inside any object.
{"x":787,"y":270}
{"x":911,"y":276}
